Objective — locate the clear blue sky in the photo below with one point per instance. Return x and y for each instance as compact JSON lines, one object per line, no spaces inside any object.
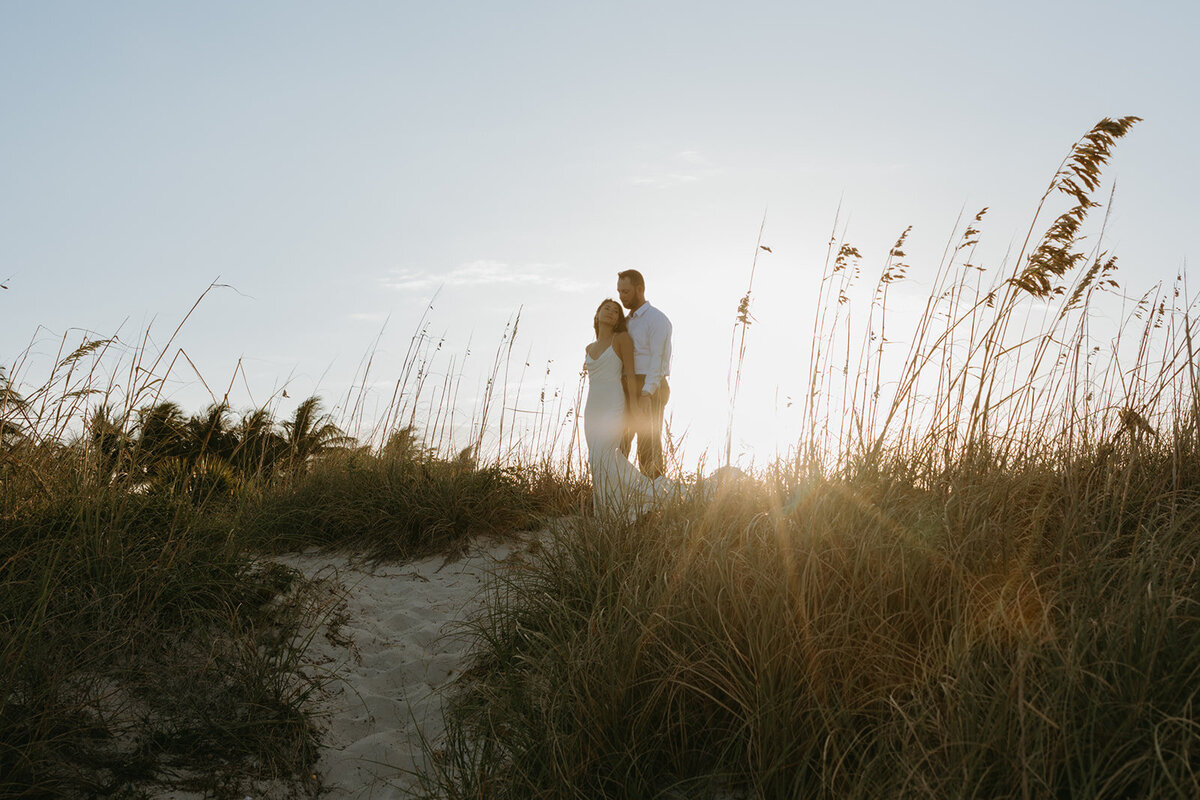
{"x":336,"y":163}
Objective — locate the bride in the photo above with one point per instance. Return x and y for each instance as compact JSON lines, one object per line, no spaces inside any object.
{"x":618,"y":488}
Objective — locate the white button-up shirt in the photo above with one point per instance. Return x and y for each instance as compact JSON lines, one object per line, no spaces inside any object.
{"x":651,"y":333}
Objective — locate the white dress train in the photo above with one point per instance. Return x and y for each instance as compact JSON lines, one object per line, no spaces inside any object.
{"x":618,"y":488}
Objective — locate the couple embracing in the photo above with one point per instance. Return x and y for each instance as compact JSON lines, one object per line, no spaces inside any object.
{"x":627,"y":368}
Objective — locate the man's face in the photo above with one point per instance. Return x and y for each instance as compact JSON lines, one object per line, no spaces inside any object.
{"x":627,"y":292}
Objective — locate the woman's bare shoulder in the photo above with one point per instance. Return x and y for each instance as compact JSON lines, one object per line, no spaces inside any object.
{"x":622,"y":337}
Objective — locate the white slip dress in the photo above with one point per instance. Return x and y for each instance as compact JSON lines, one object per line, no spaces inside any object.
{"x":618,"y":488}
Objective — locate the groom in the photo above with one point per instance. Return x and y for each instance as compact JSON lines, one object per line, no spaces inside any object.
{"x":651,"y":333}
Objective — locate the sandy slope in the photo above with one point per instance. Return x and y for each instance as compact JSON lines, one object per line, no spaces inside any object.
{"x":392,"y":646}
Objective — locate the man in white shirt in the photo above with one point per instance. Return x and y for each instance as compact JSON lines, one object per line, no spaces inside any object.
{"x":651,"y":333}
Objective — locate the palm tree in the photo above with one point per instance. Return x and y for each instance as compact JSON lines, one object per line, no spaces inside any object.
{"x":162,"y":434}
{"x":209,"y":434}
{"x":309,"y":433}
{"x":109,"y":442}
{"x":259,"y":447}
{"x":12,"y":406}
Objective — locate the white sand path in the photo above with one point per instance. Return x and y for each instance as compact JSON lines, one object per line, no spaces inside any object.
{"x":392,"y":647}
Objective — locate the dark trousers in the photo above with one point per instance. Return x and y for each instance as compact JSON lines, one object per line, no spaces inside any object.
{"x":649,"y":446}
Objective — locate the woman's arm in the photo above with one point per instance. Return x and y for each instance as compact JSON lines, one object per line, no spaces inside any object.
{"x":623,"y":345}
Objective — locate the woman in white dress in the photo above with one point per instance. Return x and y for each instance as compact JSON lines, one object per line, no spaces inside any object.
{"x":618,"y":488}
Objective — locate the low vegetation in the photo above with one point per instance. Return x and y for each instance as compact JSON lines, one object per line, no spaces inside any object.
{"x":976,"y":575}
{"x":1012,"y":633}
{"x":148,"y":642}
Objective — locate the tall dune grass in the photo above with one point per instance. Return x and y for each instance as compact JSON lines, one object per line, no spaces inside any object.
{"x":139,"y":642}
{"x":147,"y":640}
{"x":976,"y":576}
{"x":861,"y":640}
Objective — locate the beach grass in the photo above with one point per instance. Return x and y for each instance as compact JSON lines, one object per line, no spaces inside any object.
{"x":974,"y":577}
{"x":846,"y":638}
{"x":149,"y":641}
{"x":139,"y":641}
{"x":975,"y":574}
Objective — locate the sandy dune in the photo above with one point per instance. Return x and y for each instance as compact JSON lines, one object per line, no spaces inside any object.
{"x":390,"y":641}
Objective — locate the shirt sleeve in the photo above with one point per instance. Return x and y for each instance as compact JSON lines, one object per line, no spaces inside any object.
{"x":660,"y":352}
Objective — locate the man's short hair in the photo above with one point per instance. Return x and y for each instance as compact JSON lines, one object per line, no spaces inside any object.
{"x":633,"y":276}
